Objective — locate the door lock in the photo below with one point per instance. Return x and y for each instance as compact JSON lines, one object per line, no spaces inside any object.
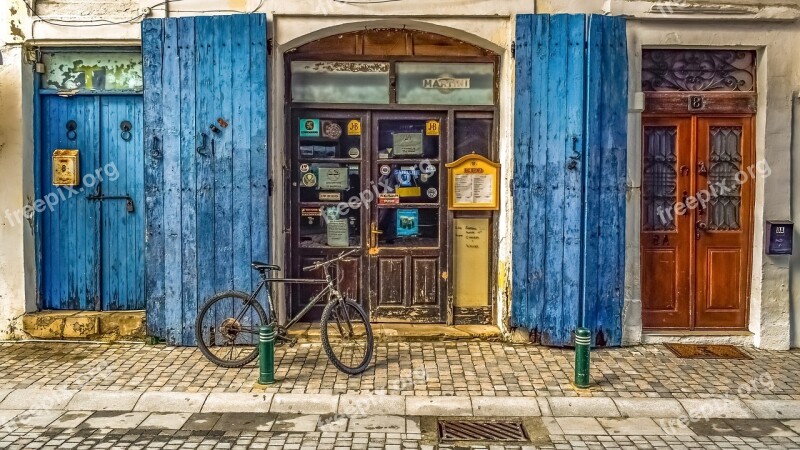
{"x":128,"y":200}
{"x":699,"y":226}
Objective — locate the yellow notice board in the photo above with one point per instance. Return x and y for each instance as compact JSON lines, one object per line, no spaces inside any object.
{"x":471,"y":260}
{"x":474,"y":183}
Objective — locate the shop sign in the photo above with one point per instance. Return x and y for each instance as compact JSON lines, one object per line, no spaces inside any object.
{"x":445,"y":83}
{"x":330,"y":196}
{"x":310,"y":212}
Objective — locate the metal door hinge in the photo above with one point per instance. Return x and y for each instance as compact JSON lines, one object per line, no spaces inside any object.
{"x":269,"y":187}
{"x":514,"y":50}
{"x":269,"y":46}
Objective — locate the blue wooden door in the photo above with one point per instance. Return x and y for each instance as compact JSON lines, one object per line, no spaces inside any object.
{"x":206,"y":196}
{"x":69,"y":226}
{"x":121,"y":219}
{"x":91,"y":249}
{"x":569,"y":176}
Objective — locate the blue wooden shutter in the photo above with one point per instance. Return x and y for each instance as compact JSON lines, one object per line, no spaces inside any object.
{"x":206,"y":196}
{"x":564,"y":89}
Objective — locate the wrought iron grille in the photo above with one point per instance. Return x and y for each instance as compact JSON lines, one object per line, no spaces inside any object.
{"x":660,"y":178}
{"x":698,"y":70}
{"x":725,"y":161}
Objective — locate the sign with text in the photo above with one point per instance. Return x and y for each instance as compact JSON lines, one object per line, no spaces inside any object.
{"x":474,"y":183}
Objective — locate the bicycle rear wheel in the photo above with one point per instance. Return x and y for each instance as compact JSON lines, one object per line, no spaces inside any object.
{"x":347,"y":336}
{"x":227,"y":329}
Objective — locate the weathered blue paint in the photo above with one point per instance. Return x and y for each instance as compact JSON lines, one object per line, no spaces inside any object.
{"x":90,"y":252}
{"x":558,"y":115}
{"x":207,"y":201}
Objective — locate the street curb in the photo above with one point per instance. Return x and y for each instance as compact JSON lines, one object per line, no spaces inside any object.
{"x":370,"y":404}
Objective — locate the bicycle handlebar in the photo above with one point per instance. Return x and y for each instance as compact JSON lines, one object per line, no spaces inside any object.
{"x":317,"y":265}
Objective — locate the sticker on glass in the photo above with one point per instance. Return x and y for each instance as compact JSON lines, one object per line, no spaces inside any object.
{"x":331,"y":130}
{"x":354,"y":152}
{"x":386,"y":170}
{"x":304,"y":168}
{"x":432,"y":192}
{"x":354,"y":128}
{"x":432,"y":128}
{"x":309,"y":179}
{"x":309,"y":127}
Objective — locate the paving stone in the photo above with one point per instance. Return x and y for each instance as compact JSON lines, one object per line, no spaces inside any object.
{"x":793,"y":425}
{"x":579,"y":425}
{"x":438,"y":406}
{"x":97,"y":400}
{"x":296,"y":423}
{"x":304,"y":404}
{"x":377,"y":424}
{"x":712,"y":427}
{"x":170,"y":402}
{"x":759,"y":427}
{"x":236,"y":402}
{"x":352,"y":404}
{"x":4,"y":393}
{"x":714,"y":408}
{"x":8,"y":414}
{"x":649,"y":407}
{"x":242,"y":421}
{"x":775,"y":409}
{"x":583,"y":407}
{"x":70,"y":419}
{"x":505,"y":406}
{"x":638,"y":426}
{"x":37,"y":399}
{"x":201,"y":421}
{"x":35,"y":418}
{"x":168,"y":421}
{"x":114,"y":419}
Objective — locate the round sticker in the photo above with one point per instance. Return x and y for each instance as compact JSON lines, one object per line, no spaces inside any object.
{"x":385,"y":170}
{"x":309,"y":180}
{"x":304,"y":168}
{"x":354,"y":152}
{"x":432,"y":192}
{"x":424,"y":177}
{"x":331,"y":130}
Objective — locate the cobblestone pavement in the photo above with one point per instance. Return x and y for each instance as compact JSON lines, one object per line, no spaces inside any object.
{"x":412,"y":368}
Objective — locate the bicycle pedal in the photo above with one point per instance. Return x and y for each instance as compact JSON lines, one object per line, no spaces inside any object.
{"x":292,"y":342}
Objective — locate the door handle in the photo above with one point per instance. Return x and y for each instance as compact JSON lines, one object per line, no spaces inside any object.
{"x":698,"y":227}
{"x":373,"y":241}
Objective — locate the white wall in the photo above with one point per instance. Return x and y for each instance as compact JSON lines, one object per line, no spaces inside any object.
{"x":769,"y":26}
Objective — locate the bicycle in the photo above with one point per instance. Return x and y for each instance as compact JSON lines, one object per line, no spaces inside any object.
{"x":232,"y":320}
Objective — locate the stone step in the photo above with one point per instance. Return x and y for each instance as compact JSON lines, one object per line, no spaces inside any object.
{"x":86,"y":325}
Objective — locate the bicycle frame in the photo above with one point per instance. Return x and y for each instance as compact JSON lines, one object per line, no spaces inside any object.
{"x":329,"y":290}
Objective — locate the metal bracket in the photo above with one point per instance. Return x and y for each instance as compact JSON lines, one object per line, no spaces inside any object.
{"x":127,"y":198}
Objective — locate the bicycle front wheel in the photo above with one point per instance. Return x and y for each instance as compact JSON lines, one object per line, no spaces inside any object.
{"x":227,"y":329}
{"x":347,"y":336}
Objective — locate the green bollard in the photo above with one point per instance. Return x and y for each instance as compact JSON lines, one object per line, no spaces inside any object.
{"x":583,"y":341}
{"x":266,"y":355}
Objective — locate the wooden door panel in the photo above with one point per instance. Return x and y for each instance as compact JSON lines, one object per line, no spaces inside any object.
{"x":425,"y":281}
{"x":665,"y":234}
{"x":391,"y":282}
{"x":724,"y":280}
{"x":723,"y":222}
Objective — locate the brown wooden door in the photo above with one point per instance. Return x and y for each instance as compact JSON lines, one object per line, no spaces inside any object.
{"x":723,"y":224}
{"x":696,"y":222}
{"x":407,"y":239}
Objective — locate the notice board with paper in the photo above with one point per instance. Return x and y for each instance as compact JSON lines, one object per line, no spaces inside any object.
{"x":474,"y":183}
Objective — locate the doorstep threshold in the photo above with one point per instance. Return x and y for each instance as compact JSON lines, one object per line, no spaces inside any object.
{"x":682,"y":333}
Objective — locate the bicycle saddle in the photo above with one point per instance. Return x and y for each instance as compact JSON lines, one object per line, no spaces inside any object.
{"x":263,"y":267}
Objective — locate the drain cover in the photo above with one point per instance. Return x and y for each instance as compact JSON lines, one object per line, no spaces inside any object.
{"x":462,"y":430}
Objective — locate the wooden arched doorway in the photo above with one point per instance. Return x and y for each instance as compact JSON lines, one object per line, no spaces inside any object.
{"x":373,"y":116}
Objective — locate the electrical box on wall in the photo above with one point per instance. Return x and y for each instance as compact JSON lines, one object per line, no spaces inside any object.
{"x":779,"y":237}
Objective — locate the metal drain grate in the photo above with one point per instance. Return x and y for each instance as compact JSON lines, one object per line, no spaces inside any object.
{"x":462,"y":430}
